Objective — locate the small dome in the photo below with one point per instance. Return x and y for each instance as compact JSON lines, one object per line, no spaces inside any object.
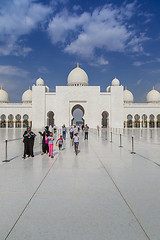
{"x":115,"y":82}
{"x":40,"y":82}
{"x":3,"y":96}
{"x":77,"y":77}
{"x":127,"y":96}
{"x":153,"y":96}
{"x":27,"y":96}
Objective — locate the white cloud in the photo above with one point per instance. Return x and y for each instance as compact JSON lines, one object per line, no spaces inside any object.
{"x":99,"y":61}
{"x":18,"y":18}
{"x":76,"y":7}
{"x":106,"y":28}
{"x":138,"y":64}
{"x":8,"y":70}
{"x":139,"y":81}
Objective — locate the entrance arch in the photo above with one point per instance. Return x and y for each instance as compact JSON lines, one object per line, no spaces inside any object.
{"x":50,"y":118}
{"x":77,"y":113}
{"x":105,"y":118}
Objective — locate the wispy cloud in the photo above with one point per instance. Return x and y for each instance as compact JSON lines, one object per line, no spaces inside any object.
{"x":12,"y":71}
{"x":18,"y":18}
{"x":99,"y":61}
{"x":106,"y":28}
{"x":139,"y":81}
{"x":140,"y":63}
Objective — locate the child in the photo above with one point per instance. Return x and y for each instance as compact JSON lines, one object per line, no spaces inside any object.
{"x":50,"y":144}
{"x":60,"y":142}
{"x":76,"y":142}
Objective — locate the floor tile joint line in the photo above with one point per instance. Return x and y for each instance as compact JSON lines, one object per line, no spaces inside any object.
{"x":122,"y":195}
{"x":31,"y":198}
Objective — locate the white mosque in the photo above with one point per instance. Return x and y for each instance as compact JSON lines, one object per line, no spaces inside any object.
{"x":114,"y":108}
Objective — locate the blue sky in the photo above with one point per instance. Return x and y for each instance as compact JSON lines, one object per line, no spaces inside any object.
{"x":108,"y":38}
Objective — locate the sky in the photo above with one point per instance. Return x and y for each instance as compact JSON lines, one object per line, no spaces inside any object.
{"x":46,"y":38}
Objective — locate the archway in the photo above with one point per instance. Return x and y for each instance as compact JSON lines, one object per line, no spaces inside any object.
{"x":137,"y":121}
{"x":50,"y":118}
{"x":3,"y":121}
{"x":144,"y":121}
{"x":105,"y":119}
{"x":18,"y":121}
{"x":25,"y":121}
{"x":151,"y":121}
{"x":10,"y":121}
{"x":77,"y":113}
{"x":129,"y":121}
{"x":158,"y":121}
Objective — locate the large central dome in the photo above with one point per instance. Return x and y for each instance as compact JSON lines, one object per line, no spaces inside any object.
{"x":77,"y":77}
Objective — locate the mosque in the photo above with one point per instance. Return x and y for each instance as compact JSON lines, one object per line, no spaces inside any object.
{"x":114,"y":108}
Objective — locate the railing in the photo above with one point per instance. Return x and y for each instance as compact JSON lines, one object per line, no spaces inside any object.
{"x":10,"y":151}
{"x":6,"y":148}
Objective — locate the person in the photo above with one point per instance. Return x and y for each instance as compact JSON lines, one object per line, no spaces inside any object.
{"x":71,"y":132}
{"x":78,"y":127}
{"x":50,"y":128}
{"x":60,"y":142}
{"x":98,"y":129}
{"x":86,"y":132}
{"x":50,"y":144}
{"x":54,"y":129}
{"x":75,"y":142}
{"x":45,"y":135}
{"x":28,"y":140}
{"x":64,"y":131}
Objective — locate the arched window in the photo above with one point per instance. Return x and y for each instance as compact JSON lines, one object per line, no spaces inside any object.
{"x":10,"y":121}
{"x":18,"y":121}
{"x":129,"y":121}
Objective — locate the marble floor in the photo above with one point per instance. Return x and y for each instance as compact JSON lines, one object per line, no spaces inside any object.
{"x":103,"y":193}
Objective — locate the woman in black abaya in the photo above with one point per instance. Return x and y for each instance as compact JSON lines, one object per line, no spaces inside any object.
{"x":28,"y":140}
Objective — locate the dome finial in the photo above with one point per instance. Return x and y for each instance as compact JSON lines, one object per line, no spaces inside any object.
{"x":153,"y":87}
{"x":29,"y":88}
{"x":1,"y":87}
{"x":77,"y":64}
{"x":125,"y":87}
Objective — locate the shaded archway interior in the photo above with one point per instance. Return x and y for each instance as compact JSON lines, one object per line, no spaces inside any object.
{"x":105,"y":119}
{"x":50,"y":118}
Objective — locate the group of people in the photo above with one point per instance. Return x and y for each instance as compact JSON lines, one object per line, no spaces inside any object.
{"x":48,"y":139}
{"x":47,"y":142}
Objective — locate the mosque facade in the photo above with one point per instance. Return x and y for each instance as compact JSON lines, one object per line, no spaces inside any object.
{"x":114,"y":108}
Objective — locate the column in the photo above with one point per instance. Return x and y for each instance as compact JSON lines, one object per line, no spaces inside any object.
{"x":14,"y":125}
{"x":155,"y":124}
